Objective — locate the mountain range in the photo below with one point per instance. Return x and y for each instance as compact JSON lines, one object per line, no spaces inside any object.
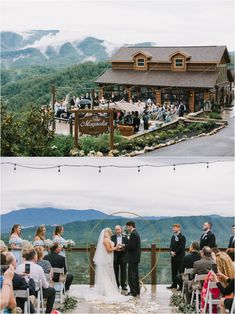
{"x":53,"y":48}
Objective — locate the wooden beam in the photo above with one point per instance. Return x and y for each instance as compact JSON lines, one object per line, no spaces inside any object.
{"x":153,"y":267}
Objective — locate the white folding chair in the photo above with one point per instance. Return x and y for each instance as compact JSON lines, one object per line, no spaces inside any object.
{"x":209,"y":297}
{"x":40,"y":300}
{"x":24,"y":294}
{"x":185,"y":277}
{"x":232,"y":311}
{"x":198,"y":278}
{"x":59,"y":286}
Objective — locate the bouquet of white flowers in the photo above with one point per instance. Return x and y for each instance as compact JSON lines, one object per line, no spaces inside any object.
{"x":69,"y":244}
{"x":48,"y":243}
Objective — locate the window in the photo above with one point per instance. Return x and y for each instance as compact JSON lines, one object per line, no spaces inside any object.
{"x":140,"y":62}
{"x":179,"y":63}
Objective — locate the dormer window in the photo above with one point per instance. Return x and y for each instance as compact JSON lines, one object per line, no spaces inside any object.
{"x":140,"y":62}
{"x":179,"y":62}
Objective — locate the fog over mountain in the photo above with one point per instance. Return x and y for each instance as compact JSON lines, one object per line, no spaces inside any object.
{"x":54,"y":48}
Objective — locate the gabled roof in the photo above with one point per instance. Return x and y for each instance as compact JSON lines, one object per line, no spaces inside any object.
{"x":179,"y":52}
{"x":146,"y":54}
{"x":159,"y":78}
{"x":208,"y":54}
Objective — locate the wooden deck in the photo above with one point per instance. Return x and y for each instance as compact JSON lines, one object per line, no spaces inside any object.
{"x":149,"y":302}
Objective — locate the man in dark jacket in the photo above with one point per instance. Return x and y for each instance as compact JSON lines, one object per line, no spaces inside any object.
{"x":120,"y":258}
{"x":232,"y":239}
{"x":133,"y":258}
{"x":58,"y":261}
{"x":177,"y":252}
{"x":207,"y":238}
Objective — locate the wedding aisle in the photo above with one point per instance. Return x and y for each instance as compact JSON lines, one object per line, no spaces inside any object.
{"x":148,"y":303}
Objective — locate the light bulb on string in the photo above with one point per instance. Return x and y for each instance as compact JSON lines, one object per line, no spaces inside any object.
{"x":174,"y":167}
{"x":207,"y":165}
{"x":138,"y":168}
{"x":59,"y":169}
{"x":99,"y":169}
{"x":14,"y":167}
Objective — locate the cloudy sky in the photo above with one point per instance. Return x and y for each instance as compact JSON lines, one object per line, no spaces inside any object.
{"x":168,"y":22}
{"x":190,"y":190}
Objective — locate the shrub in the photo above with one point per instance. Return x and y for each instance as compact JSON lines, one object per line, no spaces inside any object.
{"x":215,"y":115}
{"x":61,"y":146}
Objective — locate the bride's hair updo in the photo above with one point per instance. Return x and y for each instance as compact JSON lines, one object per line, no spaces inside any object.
{"x":109,"y":231}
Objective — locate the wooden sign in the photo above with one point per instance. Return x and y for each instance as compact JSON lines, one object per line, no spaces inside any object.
{"x":94,"y":124}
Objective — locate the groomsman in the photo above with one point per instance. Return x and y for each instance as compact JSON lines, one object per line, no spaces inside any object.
{"x":120,"y":258}
{"x":177,"y":252}
{"x":207,"y":238}
{"x":133,"y":257}
{"x":232,"y":239}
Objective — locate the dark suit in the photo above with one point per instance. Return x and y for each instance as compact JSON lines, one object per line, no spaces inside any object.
{"x":133,"y":258}
{"x":207,"y":239}
{"x":19,"y":283}
{"x":58,"y":261}
{"x":231,"y":242}
{"x":120,"y":260}
{"x":178,"y":246}
{"x":189,"y":259}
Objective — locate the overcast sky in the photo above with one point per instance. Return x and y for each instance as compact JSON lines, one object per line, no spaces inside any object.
{"x":190,"y":190}
{"x":189,"y":22}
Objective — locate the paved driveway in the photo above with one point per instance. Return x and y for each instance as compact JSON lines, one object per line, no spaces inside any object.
{"x":221,"y":144}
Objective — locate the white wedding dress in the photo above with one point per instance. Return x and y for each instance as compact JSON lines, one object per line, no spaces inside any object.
{"x":105,"y":289}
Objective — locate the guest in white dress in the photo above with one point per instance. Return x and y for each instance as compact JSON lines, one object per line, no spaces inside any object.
{"x":39,"y":239}
{"x":59,"y":230}
{"x":15,"y":242}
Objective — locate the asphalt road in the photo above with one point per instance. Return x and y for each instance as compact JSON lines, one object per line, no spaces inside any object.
{"x":220,"y":144}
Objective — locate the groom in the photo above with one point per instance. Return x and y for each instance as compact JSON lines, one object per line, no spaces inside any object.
{"x":133,"y":258}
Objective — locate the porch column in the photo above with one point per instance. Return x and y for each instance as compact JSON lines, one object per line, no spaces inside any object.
{"x":129,"y":93}
{"x":191,"y":101}
{"x":206,"y":95}
{"x":158,"y":96}
{"x":101,"y":92}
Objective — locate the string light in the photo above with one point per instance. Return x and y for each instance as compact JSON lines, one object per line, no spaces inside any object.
{"x":37,"y":167}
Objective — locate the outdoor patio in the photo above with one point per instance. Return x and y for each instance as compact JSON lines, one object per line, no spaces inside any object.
{"x":149,"y":302}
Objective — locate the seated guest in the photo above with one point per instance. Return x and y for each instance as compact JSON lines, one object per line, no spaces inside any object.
{"x":7,"y":299}
{"x":136,"y":122}
{"x":189,"y":259}
{"x":58,"y":261}
{"x":36,"y":272}
{"x":224,"y":264}
{"x":3,"y":247}
{"x":19,"y":283}
{"x":227,"y":292}
{"x":204,"y":265}
{"x":231,"y":254}
{"x":46,"y":265}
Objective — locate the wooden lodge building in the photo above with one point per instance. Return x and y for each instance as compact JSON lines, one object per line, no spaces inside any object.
{"x":191,"y":74}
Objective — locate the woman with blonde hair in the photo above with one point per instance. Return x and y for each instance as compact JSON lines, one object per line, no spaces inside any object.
{"x":15,"y":242}
{"x":40,"y":237}
{"x":59,"y":230}
{"x":224,"y":265}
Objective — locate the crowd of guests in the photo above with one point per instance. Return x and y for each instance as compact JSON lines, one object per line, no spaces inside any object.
{"x":204,"y":258}
{"x":28,"y":264}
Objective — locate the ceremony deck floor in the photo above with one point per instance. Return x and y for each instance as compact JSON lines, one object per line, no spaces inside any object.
{"x":148,"y":302}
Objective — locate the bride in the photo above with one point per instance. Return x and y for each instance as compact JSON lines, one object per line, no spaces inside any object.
{"x":105,"y":289}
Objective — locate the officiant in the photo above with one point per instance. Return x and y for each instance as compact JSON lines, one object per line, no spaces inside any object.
{"x":120,"y":258}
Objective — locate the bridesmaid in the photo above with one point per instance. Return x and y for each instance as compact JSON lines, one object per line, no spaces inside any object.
{"x":15,"y":242}
{"x":59,"y":230}
{"x":39,"y":239}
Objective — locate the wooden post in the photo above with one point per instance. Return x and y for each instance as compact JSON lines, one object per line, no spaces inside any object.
{"x":154,"y":268}
{"x":92,"y":265}
{"x":53,"y":104}
{"x":129,"y":94}
{"x":191,"y":101}
{"x":158,"y":97}
{"x":76,"y":130}
{"x":92,"y":98}
{"x":71,"y":126}
{"x":101,"y":92}
{"x":111,"y":130}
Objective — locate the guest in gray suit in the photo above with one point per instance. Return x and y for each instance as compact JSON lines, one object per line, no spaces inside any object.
{"x":204,"y":265}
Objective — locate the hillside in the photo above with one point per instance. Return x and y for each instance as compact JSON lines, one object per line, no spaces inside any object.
{"x":33,"y":85}
{"x":151,"y":231}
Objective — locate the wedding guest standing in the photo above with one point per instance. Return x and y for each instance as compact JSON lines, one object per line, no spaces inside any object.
{"x":177,"y":252}
{"x":40,"y":237}
{"x":15,"y":242}
{"x":120,"y":258}
{"x":232,"y":239}
{"x":133,"y":258}
{"x":59,"y":230}
{"x":207,"y":238}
